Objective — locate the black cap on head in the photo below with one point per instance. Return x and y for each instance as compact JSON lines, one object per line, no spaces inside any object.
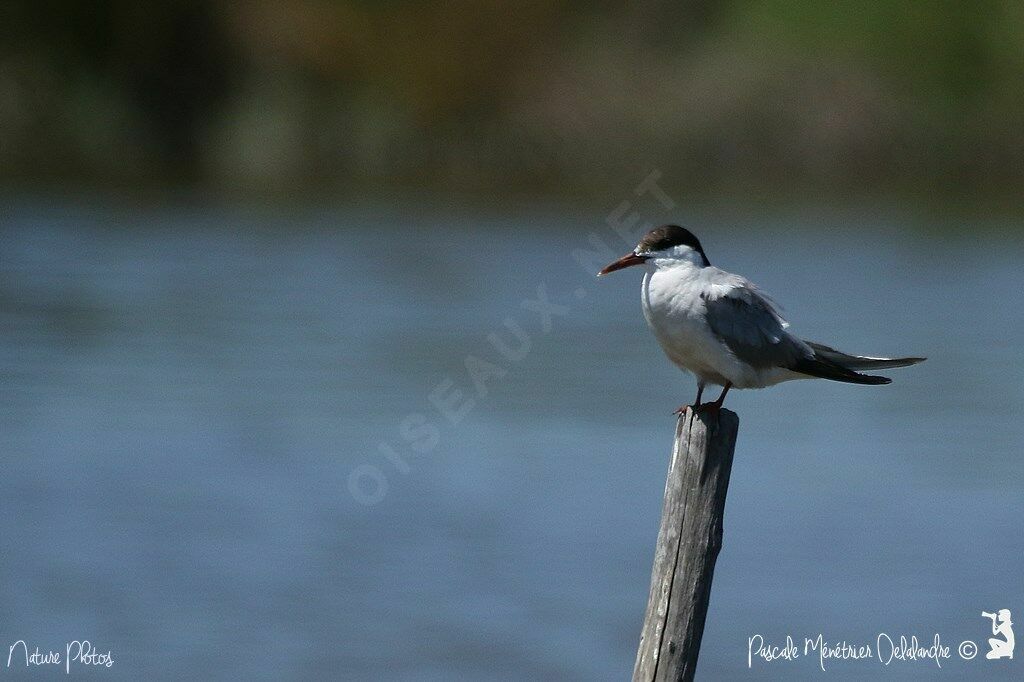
{"x":667,"y":236}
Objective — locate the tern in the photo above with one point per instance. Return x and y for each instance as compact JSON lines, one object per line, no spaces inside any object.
{"x":722,"y":329}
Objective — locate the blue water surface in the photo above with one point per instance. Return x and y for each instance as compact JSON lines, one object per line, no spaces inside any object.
{"x":278,"y":443}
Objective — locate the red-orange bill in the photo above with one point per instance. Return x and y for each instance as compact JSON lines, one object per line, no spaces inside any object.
{"x":624,"y":262}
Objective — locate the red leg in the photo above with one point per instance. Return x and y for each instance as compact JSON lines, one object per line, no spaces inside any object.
{"x":717,"y":405}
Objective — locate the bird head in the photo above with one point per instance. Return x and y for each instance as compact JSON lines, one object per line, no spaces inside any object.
{"x":664,"y":246}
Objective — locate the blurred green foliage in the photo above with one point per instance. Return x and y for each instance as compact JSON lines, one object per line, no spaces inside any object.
{"x":497,"y":97}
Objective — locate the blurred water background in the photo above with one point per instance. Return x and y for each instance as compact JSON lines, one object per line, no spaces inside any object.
{"x":189,"y":389}
{"x":247,"y":248}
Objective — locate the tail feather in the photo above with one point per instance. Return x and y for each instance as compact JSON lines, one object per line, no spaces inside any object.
{"x":856,"y":362}
{"x":826,"y":369}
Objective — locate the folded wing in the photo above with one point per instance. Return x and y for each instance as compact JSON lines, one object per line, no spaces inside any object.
{"x":753,"y":330}
{"x":859,"y":361}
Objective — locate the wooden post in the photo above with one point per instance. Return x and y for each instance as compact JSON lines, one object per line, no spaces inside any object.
{"x":688,"y":543}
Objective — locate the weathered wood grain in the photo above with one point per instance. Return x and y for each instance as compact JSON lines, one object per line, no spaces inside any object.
{"x":688,"y":543}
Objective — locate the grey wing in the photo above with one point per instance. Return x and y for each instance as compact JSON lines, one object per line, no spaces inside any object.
{"x":752,"y":329}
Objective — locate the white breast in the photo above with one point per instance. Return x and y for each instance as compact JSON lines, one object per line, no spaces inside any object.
{"x":675,"y":311}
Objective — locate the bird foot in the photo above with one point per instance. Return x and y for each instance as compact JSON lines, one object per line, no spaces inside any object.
{"x":712,"y":408}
